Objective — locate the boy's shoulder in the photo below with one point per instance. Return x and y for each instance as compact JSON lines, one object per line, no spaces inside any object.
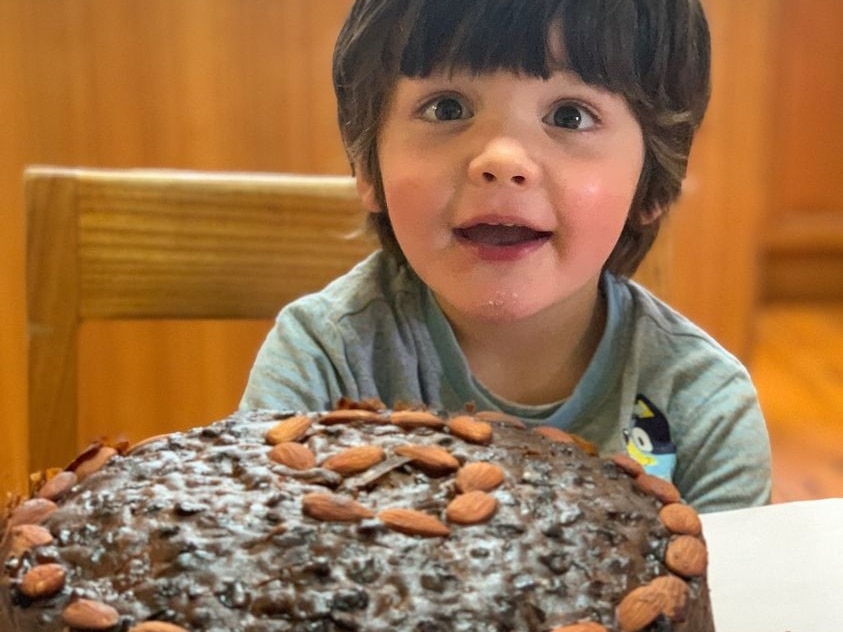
{"x":660,"y":331}
{"x":380,"y":281}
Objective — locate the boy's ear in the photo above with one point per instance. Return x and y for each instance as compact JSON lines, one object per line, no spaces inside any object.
{"x":366,"y":191}
{"x":652,"y":215}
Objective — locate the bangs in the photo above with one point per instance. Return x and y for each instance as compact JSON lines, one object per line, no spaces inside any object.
{"x":530,"y":37}
{"x":478,"y":37}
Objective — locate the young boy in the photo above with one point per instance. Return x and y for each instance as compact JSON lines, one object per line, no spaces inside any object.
{"x":517,"y":157}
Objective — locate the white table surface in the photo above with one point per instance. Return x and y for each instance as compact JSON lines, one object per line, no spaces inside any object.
{"x":777,"y":568}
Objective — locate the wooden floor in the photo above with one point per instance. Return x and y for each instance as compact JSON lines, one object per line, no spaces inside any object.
{"x":797,"y":365}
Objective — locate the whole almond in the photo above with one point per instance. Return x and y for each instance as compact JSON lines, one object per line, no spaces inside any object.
{"x":554,"y":434}
{"x":409,"y":419}
{"x":479,"y":476}
{"x":333,"y":508}
{"x":639,"y":608}
{"x":90,"y":615}
{"x":663,"y":490}
{"x":368,"y":403}
{"x":25,"y":537}
{"x":89,"y":452}
{"x":291,"y":429}
{"x":412,"y":522}
{"x":157,"y":626}
{"x":675,"y":596}
{"x":583,"y":626}
{"x":43,"y":580}
{"x":628,"y":465}
{"x":560,"y":436}
{"x":95,"y":462}
{"x":32,"y":511}
{"x":58,"y":485}
{"x":350,"y":415}
{"x":294,"y":455}
{"x":471,"y":508}
{"x":680,"y":519}
{"x":496,"y":416}
{"x":471,"y":430}
{"x":38,"y":479}
{"x":431,"y":459}
{"x":585,"y":445}
{"x":145,"y":442}
{"x":355,"y":460}
{"x":686,"y":556}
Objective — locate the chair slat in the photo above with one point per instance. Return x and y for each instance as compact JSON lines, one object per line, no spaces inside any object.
{"x":148,"y":244}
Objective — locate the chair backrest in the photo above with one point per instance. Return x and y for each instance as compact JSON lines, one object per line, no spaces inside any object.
{"x":150,"y":244}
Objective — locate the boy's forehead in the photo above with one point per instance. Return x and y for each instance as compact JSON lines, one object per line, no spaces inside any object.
{"x":557,"y":55}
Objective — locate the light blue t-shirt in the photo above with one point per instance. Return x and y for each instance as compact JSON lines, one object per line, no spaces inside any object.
{"x":657,"y":388}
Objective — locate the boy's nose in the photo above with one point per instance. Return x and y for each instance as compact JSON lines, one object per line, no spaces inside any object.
{"x":504,"y":161}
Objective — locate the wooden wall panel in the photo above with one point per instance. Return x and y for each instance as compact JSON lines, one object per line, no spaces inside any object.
{"x":234,"y":85}
{"x":716,"y":225}
{"x":12,"y":333}
{"x":198,"y":84}
{"x":807,"y":128}
{"x":803,"y":241}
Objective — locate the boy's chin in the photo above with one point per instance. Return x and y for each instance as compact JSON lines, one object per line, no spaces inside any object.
{"x":501,"y":308}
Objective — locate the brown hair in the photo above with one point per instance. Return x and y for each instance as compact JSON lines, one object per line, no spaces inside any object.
{"x":655,"y":53}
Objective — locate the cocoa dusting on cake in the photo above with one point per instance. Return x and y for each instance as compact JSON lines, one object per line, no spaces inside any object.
{"x":355,"y":519}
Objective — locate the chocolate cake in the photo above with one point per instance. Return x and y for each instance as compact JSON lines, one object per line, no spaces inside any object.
{"x":354,"y":519}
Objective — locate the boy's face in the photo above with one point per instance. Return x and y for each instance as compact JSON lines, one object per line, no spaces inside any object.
{"x":507,"y":193}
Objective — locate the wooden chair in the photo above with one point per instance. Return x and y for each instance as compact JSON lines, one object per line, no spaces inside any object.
{"x":143,"y":244}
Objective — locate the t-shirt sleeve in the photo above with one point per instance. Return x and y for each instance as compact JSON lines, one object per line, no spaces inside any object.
{"x":723,"y":459}
{"x":299,"y":365}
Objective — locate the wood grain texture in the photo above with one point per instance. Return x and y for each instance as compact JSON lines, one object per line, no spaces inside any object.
{"x":208,"y":84}
{"x":52,"y":307}
{"x":797,"y":366}
{"x":106,"y":244}
{"x":807,"y":129}
{"x":803,"y":231}
{"x":13,"y":113}
{"x":802,"y":259}
{"x":211,"y":245}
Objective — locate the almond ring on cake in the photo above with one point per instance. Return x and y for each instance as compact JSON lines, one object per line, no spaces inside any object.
{"x":269,"y":522}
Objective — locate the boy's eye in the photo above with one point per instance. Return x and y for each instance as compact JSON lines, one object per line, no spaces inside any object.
{"x":445,"y":109}
{"x":570,"y":116}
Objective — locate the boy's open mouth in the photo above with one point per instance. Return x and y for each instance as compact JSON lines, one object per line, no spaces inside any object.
{"x":501,"y":234}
